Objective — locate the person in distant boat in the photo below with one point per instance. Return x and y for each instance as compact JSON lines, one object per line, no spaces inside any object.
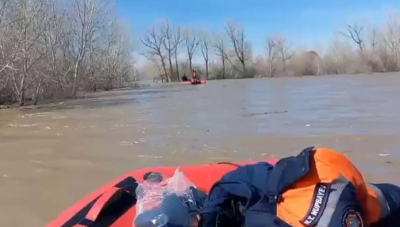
{"x":195,"y":77}
{"x":184,"y":77}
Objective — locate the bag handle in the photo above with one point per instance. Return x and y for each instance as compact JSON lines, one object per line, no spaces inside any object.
{"x":99,"y":206}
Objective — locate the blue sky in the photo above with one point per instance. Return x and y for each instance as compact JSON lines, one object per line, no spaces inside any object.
{"x":306,"y":23}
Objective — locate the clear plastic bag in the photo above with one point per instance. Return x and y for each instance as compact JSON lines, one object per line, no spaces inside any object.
{"x":150,"y":210}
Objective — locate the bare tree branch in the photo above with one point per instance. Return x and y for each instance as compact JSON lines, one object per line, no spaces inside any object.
{"x":177,"y":40}
{"x":283,"y":49}
{"x":221,"y":51}
{"x":204,"y":46}
{"x":272,"y":54}
{"x":240,"y":45}
{"x":192,"y":42}
{"x":153,"y":41}
{"x":355,"y":33}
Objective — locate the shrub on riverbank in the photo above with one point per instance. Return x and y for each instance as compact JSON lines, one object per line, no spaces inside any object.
{"x":51,"y":49}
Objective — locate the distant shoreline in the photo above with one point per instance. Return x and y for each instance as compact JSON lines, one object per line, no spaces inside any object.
{"x":147,"y":84}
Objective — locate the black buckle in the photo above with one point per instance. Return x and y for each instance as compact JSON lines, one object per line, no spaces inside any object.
{"x":273,"y":198}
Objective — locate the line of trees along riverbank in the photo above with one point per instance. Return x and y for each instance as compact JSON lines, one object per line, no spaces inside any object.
{"x":357,"y":48}
{"x":52,"y":49}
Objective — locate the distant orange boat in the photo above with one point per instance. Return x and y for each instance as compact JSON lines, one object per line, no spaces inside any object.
{"x":193,"y":82}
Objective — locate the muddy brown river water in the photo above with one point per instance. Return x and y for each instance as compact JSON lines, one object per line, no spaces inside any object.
{"x":53,"y":155}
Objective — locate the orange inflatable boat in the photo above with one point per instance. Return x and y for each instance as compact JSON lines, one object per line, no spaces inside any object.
{"x":114,"y":204}
{"x":193,"y":82}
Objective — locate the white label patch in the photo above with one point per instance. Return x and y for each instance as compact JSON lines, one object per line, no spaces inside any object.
{"x":320,"y":197}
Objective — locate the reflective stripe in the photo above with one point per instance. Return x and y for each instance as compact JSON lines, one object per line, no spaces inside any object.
{"x":385,"y":210}
{"x":336,"y":191}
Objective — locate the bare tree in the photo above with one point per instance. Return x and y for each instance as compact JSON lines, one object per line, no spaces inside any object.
{"x":240,"y":45}
{"x":339,"y":58}
{"x":373,"y":39}
{"x":272,"y":54}
{"x":392,"y":37}
{"x":5,"y":58}
{"x":221,"y":51}
{"x":355,"y":33}
{"x":372,"y":51}
{"x":172,"y":39}
{"x":48,"y":46}
{"x":177,"y":39}
{"x":283,"y":49}
{"x":3,"y":8}
{"x":155,"y":63}
{"x":153,"y":41}
{"x":205,"y":46}
{"x":169,"y":45}
{"x":28,"y":29}
{"x":116,"y":60}
{"x":55,"y":36}
{"x":192,"y":42}
{"x":86,"y":22}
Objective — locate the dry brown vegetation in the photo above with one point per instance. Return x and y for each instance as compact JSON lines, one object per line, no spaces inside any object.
{"x":358,"y":48}
{"x":53,"y":49}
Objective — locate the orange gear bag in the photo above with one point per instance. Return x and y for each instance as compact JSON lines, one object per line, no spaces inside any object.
{"x":333,"y":193}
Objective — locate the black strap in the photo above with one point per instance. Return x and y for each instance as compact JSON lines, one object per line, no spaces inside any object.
{"x":119,"y":204}
{"x":228,"y":163}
